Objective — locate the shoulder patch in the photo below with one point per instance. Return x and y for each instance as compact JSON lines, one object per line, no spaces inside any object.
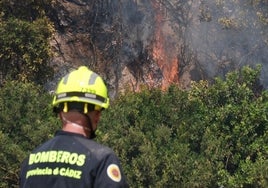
{"x":114,"y":173}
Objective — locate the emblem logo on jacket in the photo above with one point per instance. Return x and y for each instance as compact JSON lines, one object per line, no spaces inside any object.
{"x":114,"y":173}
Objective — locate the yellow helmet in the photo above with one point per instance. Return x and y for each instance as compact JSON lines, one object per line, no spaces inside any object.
{"x":82,"y":85}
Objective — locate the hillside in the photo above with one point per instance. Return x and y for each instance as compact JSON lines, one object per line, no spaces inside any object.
{"x":158,"y":43}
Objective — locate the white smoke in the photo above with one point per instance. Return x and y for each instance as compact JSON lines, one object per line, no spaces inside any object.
{"x":227,"y":35}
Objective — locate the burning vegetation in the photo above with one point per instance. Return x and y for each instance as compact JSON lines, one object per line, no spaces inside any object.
{"x":157,"y":43}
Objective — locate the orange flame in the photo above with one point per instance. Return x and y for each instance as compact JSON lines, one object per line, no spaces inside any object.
{"x":164,"y":53}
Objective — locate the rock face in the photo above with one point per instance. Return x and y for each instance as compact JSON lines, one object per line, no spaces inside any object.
{"x":155,"y":42}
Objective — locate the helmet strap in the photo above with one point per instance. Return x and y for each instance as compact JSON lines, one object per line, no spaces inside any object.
{"x":75,"y":124}
{"x":65,"y":107}
{"x":83,"y":110}
{"x":92,"y":132}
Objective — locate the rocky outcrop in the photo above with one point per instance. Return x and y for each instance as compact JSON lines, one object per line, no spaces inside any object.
{"x":155,"y":43}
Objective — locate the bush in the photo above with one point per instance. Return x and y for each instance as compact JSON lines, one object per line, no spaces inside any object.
{"x":25,"y":51}
{"x":211,"y":136}
{"x":26,"y":120}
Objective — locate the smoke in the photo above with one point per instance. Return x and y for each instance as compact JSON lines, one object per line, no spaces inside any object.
{"x":226,"y":35}
{"x":222,"y":35}
{"x":164,"y":41}
{"x":137,"y":28}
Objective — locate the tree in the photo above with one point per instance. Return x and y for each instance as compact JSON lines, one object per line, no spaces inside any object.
{"x":233,"y":138}
{"x":27,"y":10}
{"x":26,"y":120}
{"x":25,"y":52}
{"x":213,"y":135}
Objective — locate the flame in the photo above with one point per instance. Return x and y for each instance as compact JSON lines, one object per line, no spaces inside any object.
{"x":164,"y":53}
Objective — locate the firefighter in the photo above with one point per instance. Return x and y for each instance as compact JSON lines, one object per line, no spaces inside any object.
{"x":72,"y":158}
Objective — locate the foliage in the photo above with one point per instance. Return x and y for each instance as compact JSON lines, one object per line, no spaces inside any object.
{"x":211,"y":136}
{"x":214,"y":135}
{"x":27,"y":10}
{"x":26,"y":120}
{"x":234,"y":135}
{"x":25,"y":51}
{"x":142,"y":124}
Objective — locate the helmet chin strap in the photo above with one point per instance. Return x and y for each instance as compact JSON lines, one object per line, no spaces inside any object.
{"x":92,"y":132}
{"x":88,"y":128}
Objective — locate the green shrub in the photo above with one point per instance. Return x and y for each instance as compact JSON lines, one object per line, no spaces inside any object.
{"x":210,"y":136}
{"x":26,"y":120}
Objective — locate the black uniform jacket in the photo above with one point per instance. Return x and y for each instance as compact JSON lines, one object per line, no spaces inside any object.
{"x":71,"y":160}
